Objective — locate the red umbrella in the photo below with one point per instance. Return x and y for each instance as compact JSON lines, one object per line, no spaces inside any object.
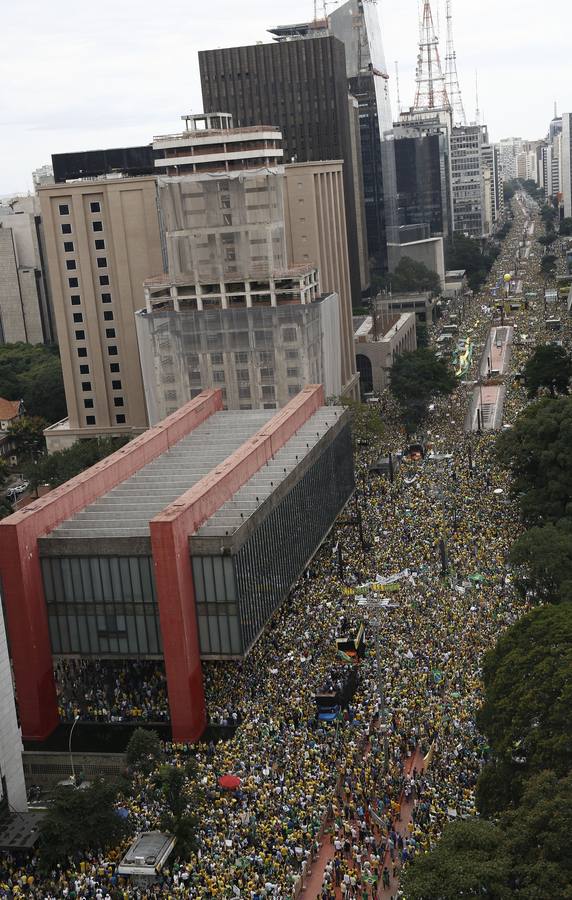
{"x":229,"y":782}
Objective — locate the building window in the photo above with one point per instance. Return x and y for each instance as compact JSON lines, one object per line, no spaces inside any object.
{"x":114,"y":367}
{"x":289,"y":335}
{"x":71,"y":264}
{"x":73,"y":282}
{"x":108,"y":315}
{"x":100,"y":244}
{"x":292,"y":373}
{"x":80,"y":335}
{"x":268,"y":391}
{"x":293,"y":389}
{"x":68,"y":246}
{"x":242,"y":375}
{"x":116,"y":385}
{"x":94,"y":206}
{"x":120,"y":419}
{"x":218,"y":376}
{"x":244,"y":391}
{"x":90,"y":420}
{"x":66,"y":228}
{"x":118,"y":401}
{"x":102,"y":262}
{"x":97,"y":226}
{"x":86,"y":385}
{"x":216,"y":359}
{"x":104,"y":280}
{"x":84,"y":370}
{"x":75,"y":299}
{"x":110,"y":332}
{"x":112,"y":350}
{"x":81,"y":351}
{"x":88,"y":403}
{"x":64,"y":209}
{"x":106,"y":298}
{"x":78,"y":317}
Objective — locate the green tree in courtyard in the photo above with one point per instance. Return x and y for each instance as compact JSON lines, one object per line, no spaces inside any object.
{"x":536,"y":450}
{"x":80,"y":821}
{"x":366,"y":420}
{"x":33,"y":373}
{"x":525,"y":715}
{"x":144,"y":751}
{"x":469,"y":861}
{"x":64,"y":464}
{"x":27,"y":434}
{"x":410,"y":276}
{"x":525,"y":855}
{"x":544,"y":555}
{"x":416,"y":378}
{"x":180,"y":795}
{"x":550,"y":366}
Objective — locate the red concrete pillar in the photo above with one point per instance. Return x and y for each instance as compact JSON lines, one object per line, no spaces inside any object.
{"x":179,"y":629}
{"x":28,"y":633}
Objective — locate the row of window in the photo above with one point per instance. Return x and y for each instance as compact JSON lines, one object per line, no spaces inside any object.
{"x":94,"y":206}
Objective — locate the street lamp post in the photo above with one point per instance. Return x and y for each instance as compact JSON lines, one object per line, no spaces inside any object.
{"x":375,"y":610}
{"x":75,"y":721}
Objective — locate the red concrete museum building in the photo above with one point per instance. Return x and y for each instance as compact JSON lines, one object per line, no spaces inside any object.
{"x":180,"y":545}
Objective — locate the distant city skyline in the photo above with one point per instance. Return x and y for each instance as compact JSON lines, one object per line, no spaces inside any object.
{"x":77,"y":82}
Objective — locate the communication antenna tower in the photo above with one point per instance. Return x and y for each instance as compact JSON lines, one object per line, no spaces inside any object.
{"x":451,"y":74}
{"x":397,"y":83}
{"x":431,"y":92}
{"x":477,"y":110}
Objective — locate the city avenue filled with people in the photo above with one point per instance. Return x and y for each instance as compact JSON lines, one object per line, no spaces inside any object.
{"x":305,"y":783}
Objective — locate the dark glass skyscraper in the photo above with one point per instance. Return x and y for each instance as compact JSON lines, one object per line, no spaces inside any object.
{"x":301,"y":87}
{"x":422,"y":195}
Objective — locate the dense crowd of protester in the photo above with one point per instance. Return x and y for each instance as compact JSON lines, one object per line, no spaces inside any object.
{"x":378,"y":784}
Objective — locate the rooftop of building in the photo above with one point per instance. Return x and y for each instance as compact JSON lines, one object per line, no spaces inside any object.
{"x":166,"y":280}
{"x":388,"y":326}
{"x":9,"y":409}
{"x":126,"y":510}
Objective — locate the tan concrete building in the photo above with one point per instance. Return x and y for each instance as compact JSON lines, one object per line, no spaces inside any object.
{"x":102,"y":240}
{"x":25,"y":309}
{"x":378,"y":343}
{"x":316,"y":233}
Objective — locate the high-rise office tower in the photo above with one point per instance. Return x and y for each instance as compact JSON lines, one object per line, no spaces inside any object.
{"x":25,"y":303}
{"x":467,"y":179}
{"x":423,"y":175}
{"x":232,"y":311}
{"x":493,"y":197}
{"x":357,"y":24}
{"x":300,"y":86}
{"x":102,"y":240}
{"x":566,"y":163}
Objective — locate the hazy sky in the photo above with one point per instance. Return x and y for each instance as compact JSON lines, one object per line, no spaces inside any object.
{"x":78,"y":75}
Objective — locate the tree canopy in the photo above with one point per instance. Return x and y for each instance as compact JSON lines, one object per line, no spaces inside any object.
{"x":548,"y":263}
{"x":462,"y":252}
{"x":565,"y":227}
{"x":525,"y":855}
{"x":78,"y":821}
{"x":144,"y":751}
{"x":27,"y":434}
{"x":544,"y":555}
{"x":180,"y":795}
{"x":411,"y":275}
{"x":416,"y":377}
{"x":527,"y":700}
{"x":550,"y":366}
{"x":62,"y":465}
{"x":33,"y":373}
{"x":537,"y":452}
